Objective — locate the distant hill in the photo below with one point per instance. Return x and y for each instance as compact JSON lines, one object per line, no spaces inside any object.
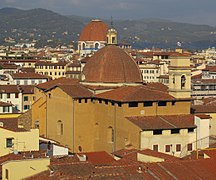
{"x":49,"y":28}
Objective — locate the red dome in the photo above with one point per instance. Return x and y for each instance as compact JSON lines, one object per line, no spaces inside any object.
{"x":112,"y":64}
{"x":96,"y":30}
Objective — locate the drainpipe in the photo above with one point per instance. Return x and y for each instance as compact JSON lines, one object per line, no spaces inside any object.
{"x":114,"y":143}
{"x":73,"y":123}
{"x":46,"y":116}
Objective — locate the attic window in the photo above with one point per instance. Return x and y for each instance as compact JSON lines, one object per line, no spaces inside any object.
{"x":157,"y":132}
{"x":133,"y":104}
{"x":175,"y":131}
{"x":162,"y":103}
{"x":148,"y":104}
{"x":190,"y":130}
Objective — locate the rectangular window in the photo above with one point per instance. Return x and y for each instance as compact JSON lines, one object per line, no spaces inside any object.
{"x":26,"y":107}
{"x":190,"y":130}
{"x":173,"y":103}
{"x":33,"y":82}
{"x":79,"y":100}
{"x":148,"y":103}
{"x":25,"y":82}
{"x":178,"y":147}
{"x":106,"y":102}
{"x":25,"y":98}
{"x":5,"y":108}
{"x":100,"y":101}
{"x":6,"y":174}
{"x":157,"y":132}
{"x":167,"y":148}
{"x":0,"y":95}
{"x":86,"y":100}
{"x":9,"y":142}
{"x":133,"y":104}
{"x":16,"y":95}
{"x":189,"y":147}
{"x":162,"y":103}
{"x":155,"y":147}
{"x":18,"y":82}
{"x":119,"y":104}
{"x":175,"y":131}
{"x":8,"y":95}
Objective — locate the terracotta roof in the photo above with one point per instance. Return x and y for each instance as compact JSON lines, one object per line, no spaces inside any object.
{"x":11,"y":124}
{"x":5,"y":104}
{"x":76,"y":90}
{"x":28,"y":75}
{"x":135,"y":93}
{"x":59,"y":81}
{"x":112,"y":64}
{"x":172,"y":168}
{"x":9,"y":89}
{"x":163,"y":122}
{"x":32,"y":70}
{"x":158,"y":86}
{"x":96,"y":30}
{"x":74,"y":64}
{"x":209,"y":101}
{"x":7,"y":65}
{"x":198,"y":76}
{"x":204,"y":81}
{"x":203,"y":116}
{"x":203,"y":109}
{"x":27,"y":89}
{"x":99,"y":158}
{"x":210,"y":68}
{"x":164,"y":156}
{"x":123,"y":152}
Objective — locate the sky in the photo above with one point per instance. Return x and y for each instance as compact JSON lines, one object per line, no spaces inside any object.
{"x":189,"y":11}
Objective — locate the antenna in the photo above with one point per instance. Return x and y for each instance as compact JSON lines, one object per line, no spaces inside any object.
{"x":111,"y":22}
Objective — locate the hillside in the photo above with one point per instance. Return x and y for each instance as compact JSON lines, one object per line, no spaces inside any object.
{"x":49,"y":28}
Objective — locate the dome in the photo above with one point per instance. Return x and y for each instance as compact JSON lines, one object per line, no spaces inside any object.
{"x":112,"y":64}
{"x":96,"y":30}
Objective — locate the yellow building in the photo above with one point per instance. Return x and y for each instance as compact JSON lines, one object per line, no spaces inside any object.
{"x":94,"y":114}
{"x":52,"y":69}
{"x":16,"y":139}
{"x":23,"y":165}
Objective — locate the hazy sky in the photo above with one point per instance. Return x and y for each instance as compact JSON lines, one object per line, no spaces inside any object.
{"x":193,"y":11}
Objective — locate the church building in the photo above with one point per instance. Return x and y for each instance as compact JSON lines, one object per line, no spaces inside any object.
{"x":112,"y":108}
{"x":95,"y":35}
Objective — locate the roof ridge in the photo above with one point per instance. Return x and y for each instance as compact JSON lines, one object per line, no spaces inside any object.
{"x":167,"y":121}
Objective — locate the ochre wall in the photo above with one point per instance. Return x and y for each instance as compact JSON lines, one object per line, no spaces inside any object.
{"x":20,"y":169}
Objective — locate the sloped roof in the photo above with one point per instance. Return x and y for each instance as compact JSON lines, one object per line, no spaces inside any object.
{"x":163,"y":122}
{"x":59,"y":81}
{"x":76,"y":90}
{"x":135,"y":93}
{"x":28,"y":75}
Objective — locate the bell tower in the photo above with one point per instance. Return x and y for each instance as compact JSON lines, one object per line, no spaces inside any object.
{"x":112,"y":35}
{"x":180,"y":77}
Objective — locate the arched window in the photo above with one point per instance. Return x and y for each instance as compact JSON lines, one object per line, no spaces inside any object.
{"x":110,"y":134}
{"x":96,"y":45}
{"x":60,"y":128}
{"x":183,"y":81}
